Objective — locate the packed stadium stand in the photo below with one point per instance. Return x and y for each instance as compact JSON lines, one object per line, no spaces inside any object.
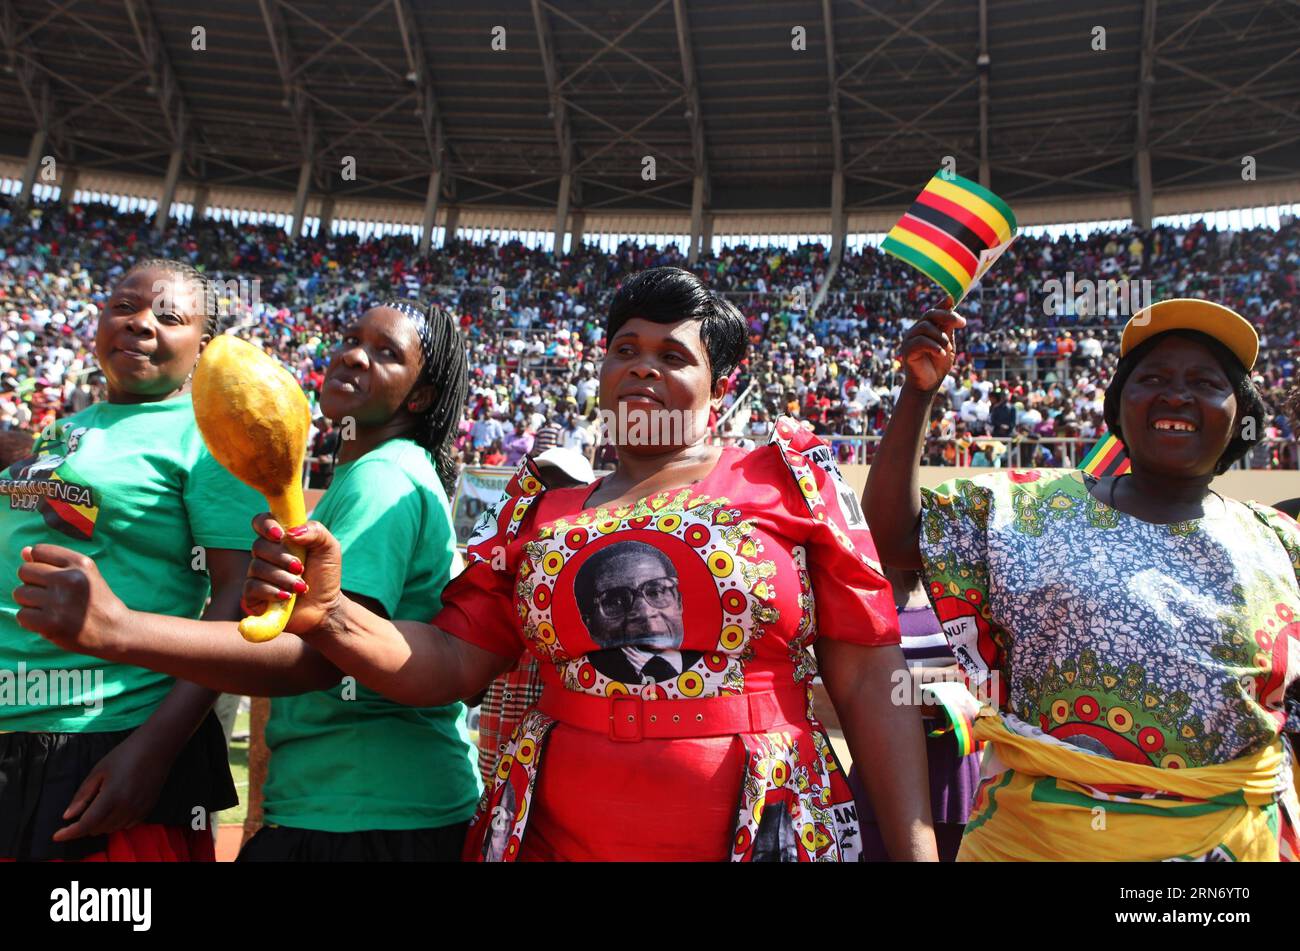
{"x":437,"y":153}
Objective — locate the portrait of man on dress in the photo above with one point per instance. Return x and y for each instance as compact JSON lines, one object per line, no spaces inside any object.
{"x":631,"y":603}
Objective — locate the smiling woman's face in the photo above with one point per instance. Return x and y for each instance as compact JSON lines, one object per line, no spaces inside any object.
{"x":149,"y":335}
{"x":1178,"y":410}
{"x":661,"y":375}
{"x":373,"y":369}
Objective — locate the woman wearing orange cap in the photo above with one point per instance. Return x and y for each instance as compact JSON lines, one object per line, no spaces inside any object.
{"x":1133,"y":637}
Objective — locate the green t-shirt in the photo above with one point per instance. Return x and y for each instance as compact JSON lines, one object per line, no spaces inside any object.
{"x":346,"y":759}
{"x":133,"y":487}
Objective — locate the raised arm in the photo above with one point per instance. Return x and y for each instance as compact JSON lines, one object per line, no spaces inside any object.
{"x":65,"y":599}
{"x":892,"y":497}
{"x":412,"y":663}
{"x":407,"y":661}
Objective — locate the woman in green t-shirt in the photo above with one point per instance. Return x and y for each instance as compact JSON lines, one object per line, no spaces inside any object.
{"x":354,"y":776}
{"x":105,"y":760}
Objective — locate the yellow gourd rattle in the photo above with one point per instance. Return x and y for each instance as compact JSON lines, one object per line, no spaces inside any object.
{"x":254,"y":418}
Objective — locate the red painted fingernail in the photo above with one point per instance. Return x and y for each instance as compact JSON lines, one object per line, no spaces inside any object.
{"x":283,"y":595}
{"x":296,"y":567}
{"x":277,"y":532}
{"x":300,"y":587}
{"x":299,"y":531}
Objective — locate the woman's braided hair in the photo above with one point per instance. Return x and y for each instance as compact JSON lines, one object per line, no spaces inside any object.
{"x":193,"y":277}
{"x":446,"y":370}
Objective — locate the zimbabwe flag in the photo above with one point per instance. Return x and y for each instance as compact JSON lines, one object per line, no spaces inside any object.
{"x":953,"y":233}
{"x":1107,"y":458}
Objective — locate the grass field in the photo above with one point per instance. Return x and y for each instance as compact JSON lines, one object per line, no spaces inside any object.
{"x":239,"y":770}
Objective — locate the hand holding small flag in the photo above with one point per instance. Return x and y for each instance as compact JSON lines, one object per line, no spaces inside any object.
{"x":928,"y":349}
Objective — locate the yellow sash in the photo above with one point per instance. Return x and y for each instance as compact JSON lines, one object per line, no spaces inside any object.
{"x":1045,"y":806}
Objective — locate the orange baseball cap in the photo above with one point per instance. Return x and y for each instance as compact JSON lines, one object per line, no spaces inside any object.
{"x":1189,"y":313}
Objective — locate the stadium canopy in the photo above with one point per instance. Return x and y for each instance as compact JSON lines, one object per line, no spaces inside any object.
{"x":838,"y":107}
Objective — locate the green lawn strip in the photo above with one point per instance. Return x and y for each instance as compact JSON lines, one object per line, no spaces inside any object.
{"x":238,"y":770}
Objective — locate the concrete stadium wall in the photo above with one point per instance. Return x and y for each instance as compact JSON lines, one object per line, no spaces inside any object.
{"x":1257,"y":485}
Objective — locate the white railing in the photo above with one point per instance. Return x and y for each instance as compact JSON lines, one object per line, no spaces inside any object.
{"x":733,"y":411}
{"x":1066,"y":451}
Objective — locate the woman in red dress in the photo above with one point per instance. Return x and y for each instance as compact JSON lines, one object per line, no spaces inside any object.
{"x":675,"y":606}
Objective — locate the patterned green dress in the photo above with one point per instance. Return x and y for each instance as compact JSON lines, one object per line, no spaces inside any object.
{"x":1170,"y":645}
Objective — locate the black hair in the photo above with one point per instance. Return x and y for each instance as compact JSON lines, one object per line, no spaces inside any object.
{"x":1250,"y":405}
{"x":584,"y":582}
{"x":193,"y":277}
{"x":446,"y":369}
{"x":665,"y":295}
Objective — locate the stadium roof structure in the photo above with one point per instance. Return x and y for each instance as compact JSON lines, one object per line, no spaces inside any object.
{"x":742,"y":104}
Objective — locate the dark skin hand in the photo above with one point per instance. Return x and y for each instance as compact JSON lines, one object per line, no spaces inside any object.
{"x":652,"y":367}
{"x":407,"y":661}
{"x":891,"y":499}
{"x":860,"y":681}
{"x":66,"y":600}
{"x":1178,"y":412}
{"x":670,"y":363}
{"x":372,"y":379}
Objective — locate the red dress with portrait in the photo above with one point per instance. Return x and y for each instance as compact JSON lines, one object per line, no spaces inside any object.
{"x":764,"y":555}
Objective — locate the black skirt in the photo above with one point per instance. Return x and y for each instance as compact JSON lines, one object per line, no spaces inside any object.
{"x":41,"y":772}
{"x":283,"y":844}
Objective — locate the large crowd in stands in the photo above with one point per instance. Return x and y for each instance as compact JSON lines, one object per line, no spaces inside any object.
{"x":1027,"y":389}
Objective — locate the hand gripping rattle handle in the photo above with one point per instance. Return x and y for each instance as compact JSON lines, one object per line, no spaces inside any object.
{"x":254,"y":419}
{"x":290,"y":511}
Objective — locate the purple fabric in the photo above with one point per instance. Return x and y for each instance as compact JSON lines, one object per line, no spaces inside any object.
{"x":918,"y":625}
{"x":917,"y":622}
{"x":952,"y":782}
{"x":517,"y":447}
